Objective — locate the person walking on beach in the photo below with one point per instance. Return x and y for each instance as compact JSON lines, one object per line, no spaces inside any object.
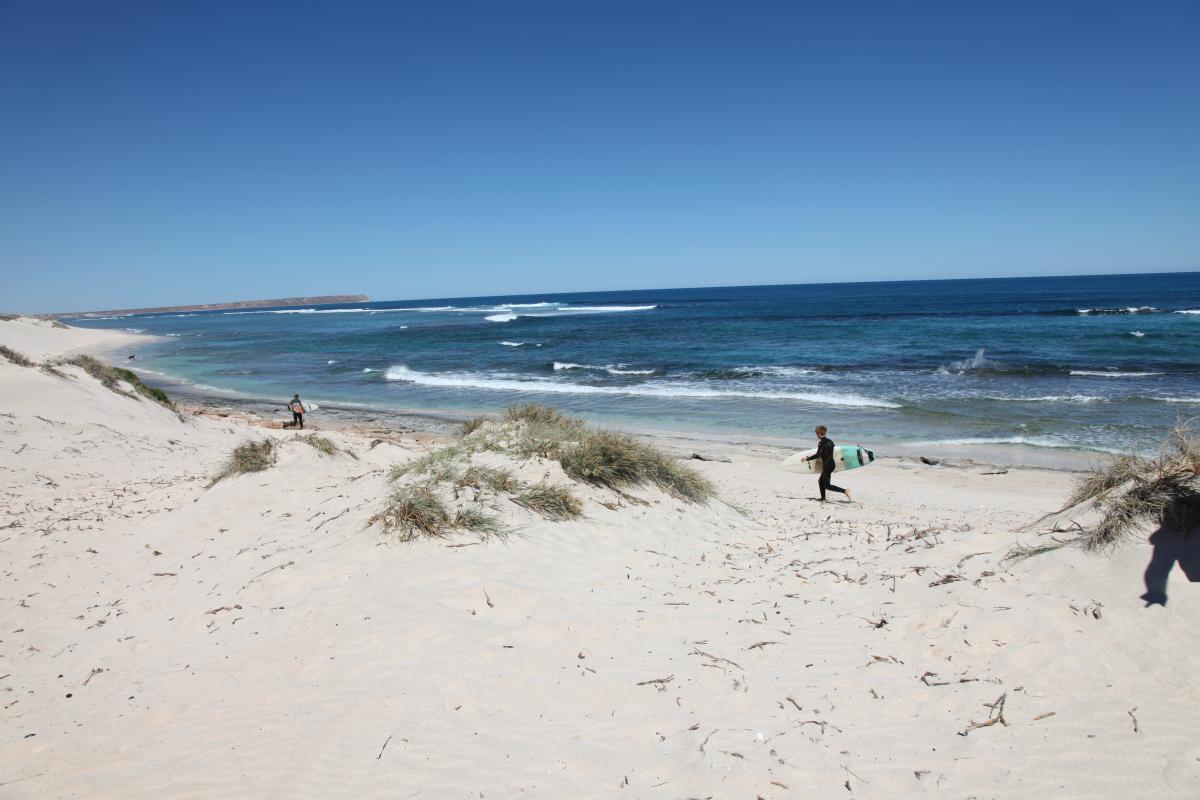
{"x":825,"y":453}
{"x":297,"y":412}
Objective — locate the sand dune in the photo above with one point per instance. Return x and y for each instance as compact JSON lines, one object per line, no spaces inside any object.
{"x":260,"y":638}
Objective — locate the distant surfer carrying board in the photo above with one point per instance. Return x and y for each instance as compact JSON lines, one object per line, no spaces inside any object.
{"x":298,"y":413}
{"x":825,"y":454}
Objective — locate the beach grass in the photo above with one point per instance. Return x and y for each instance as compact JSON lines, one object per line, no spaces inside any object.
{"x":443,"y":464}
{"x":469,"y":426}
{"x":533,"y":413}
{"x":414,"y":511}
{"x":477,"y":521}
{"x":615,"y":460}
{"x":493,"y":478}
{"x":247,"y":457}
{"x":17,"y":358}
{"x":1130,"y":491}
{"x":321,"y":444}
{"x":550,"y":501}
{"x":112,"y":377}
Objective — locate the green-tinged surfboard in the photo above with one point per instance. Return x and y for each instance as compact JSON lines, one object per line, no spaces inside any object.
{"x":844,"y":457}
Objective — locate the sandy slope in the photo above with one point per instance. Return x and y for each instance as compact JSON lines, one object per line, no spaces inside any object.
{"x":257,"y":639}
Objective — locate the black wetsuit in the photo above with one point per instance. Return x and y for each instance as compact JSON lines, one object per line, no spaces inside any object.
{"x":297,"y":416}
{"x":825,"y":453}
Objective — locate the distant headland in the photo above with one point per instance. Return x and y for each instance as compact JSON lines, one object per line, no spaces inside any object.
{"x":283,"y":302}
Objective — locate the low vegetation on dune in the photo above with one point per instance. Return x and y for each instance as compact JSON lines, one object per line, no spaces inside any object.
{"x":498,"y":481}
{"x":606,"y":459}
{"x":113,"y":377}
{"x":471,"y":425}
{"x":15,"y":357}
{"x":1127,"y":493}
{"x":324,"y":445}
{"x":616,"y":460}
{"x":248,"y":457}
{"x":552,"y":502}
{"x":414,"y":511}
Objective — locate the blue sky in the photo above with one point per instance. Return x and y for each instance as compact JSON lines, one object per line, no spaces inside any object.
{"x":168,"y":153}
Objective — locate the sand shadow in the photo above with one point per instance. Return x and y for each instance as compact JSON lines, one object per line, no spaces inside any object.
{"x":1172,"y":545}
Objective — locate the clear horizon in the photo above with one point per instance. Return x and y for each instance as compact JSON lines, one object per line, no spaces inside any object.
{"x":154,"y":152}
{"x":526,"y":295}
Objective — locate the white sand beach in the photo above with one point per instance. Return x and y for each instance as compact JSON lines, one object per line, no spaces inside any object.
{"x":260,"y":638}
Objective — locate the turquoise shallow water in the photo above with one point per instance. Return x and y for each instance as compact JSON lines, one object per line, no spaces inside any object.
{"x":1097,"y":362}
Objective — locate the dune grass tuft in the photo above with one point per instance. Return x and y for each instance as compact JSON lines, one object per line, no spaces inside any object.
{"x":247,"y":457}
{"x":497,"y":480}
{"x":552,"y":502}
{"x":56,"y":324}
{"x":321,"y":444}
{"x":1020,"y":552}
{"x":1131,"y":490}
{"x":414,"y":511}
{"x":443,"y":464}
{"x":17,"y":358}
{"x":477,"y":521}
{"x":9,"y":317}
{"x":112,"y":377}
{"x":538,"y":415}
{"x":469,"y":426}
{"x":614,"y":460}
{"x":155,"y":394}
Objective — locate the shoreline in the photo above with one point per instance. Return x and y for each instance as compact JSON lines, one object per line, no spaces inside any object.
{"x":446,"y":421}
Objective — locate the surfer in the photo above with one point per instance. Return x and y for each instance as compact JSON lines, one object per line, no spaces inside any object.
{"x":825,"y":453}
{"x":297,"y":412}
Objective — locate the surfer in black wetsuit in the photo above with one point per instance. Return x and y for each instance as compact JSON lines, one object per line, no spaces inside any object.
{"x":297,"y":408}
{"x":825,"y":453}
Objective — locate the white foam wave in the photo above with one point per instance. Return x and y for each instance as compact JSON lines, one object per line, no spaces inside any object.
{"x":1189,"y":311}
{"x":368,"y":369}
{"x":134,"y":330}
{"x":208,"y":388}
{"x":605,"y":309}
{"x":331,"y":361}
{"x":1029,"y":441}
{"x":514,"y":344}
{"x":515,"y":383}
{"x":611,"y":369}
{"x":501,"y":317}
{"x":1189,"y":400}
{"x":1125,"y":310}
{"x":1049,"y":398}
{"x":1112,"y":374}
{"x":1138,"y":334}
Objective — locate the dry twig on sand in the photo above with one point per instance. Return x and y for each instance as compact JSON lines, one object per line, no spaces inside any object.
{"x":995,"y":715}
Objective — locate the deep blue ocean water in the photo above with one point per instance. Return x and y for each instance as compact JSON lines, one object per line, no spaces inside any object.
{"x":1096,"y":362}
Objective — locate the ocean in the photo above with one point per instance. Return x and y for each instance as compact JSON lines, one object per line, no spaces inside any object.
{"x":1102,"y":363}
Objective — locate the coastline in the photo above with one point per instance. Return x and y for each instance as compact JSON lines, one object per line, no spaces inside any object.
{"x":168,"y":636}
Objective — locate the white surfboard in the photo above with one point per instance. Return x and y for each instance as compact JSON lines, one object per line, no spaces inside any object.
{"x":844,"y":457}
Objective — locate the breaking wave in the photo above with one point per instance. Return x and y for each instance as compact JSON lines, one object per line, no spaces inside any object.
{"x":515,"y":383}
{"x":1112,"y":374}
{"x":611,"y":369}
